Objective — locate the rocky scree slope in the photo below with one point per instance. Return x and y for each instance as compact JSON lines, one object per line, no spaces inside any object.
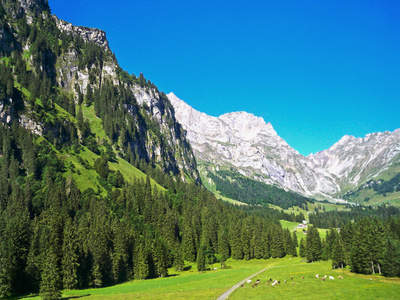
{"x":76,"y":59}
{"x":247,"y":144}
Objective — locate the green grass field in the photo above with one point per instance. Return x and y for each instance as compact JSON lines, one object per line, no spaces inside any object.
{"x":351,"y":287}
{"x":211,"y":284}
{"x":288,"y":224}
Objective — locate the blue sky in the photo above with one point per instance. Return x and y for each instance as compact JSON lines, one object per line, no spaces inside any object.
{"x":317,"y":70}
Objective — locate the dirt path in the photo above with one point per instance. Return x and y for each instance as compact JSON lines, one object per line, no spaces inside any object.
{"x":228,"y":292}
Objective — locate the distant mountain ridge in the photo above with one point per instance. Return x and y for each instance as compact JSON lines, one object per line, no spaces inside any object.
{"x":248,"y":145}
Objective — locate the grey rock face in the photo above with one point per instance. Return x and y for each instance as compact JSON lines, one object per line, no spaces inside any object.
{"x":252,"y":147}
{"x":353,"y":161}
{"x":88,"y":34}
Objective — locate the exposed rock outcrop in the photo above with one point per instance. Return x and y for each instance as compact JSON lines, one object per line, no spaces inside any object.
{"x":94,"y":35}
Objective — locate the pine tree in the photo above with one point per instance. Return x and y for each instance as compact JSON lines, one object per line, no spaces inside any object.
{"x":236,"y":241}
{"x":120,"y":253}
{"x":160,"y":258}
{"x":359,"y":254}
{"x":142,"y":263}
{"x":376,"y":242}
{"x":178,"y":261}
{"x":201,"y":258}
{"x":188,"y":246}
{"x":302,"y":248}
{"x":50,"y":284}
{"x":347,"y":235}
{"x":277,"y":243}
{"x":295,"y":242}
{"x":245,"y":239}
{"x":70,"y":257}
{"x":338,"y":253}
{"x":391,"y":258}
{"x":313,"y":245}
{"x":14,"y":244}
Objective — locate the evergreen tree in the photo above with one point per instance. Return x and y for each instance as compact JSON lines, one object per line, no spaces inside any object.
{"x":295,"y":242}
{"x":313,"y":245}
{"x":142,"y":263}
{"x":160,"y":258}
{"x":14,"y":245}
{"x":236,"y":241}
{"x":188,"y":245}
{"x":178,"y":261}
{"x":70,"y":257}
{"x":201,"y":258}
{"x":50,"y":284}
{"x":302,"y":248}
{"x":391,"y":258}
{"x":359,"y":254}
{"x":376,"y":242}
{"x":338,"y":253}
{"x":120,"y":254}
{"x":277,"y":243}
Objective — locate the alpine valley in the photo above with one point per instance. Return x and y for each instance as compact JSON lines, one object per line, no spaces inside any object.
{"x":106,"y":181}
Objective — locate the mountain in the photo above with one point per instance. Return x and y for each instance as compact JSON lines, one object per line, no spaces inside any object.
{"x":353,"y":161}
{"x":246,"y":144}
{"x":60,"y":66}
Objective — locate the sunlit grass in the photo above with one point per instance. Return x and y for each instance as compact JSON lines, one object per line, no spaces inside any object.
{"x":192,"y":284}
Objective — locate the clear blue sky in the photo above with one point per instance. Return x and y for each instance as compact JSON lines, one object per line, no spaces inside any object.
{"x":317,"y":70}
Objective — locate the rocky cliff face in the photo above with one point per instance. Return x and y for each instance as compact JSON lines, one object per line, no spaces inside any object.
{"x":93,"y":35}
{"x":250,"y":146}
{"x":73,"y":75}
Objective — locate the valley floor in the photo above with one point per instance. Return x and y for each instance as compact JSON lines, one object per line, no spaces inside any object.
{"x":211,"y":284}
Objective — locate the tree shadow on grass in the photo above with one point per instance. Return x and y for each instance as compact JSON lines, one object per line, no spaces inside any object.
{"x":76,"y":297}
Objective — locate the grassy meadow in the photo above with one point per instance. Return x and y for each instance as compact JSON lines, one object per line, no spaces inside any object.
{"x":351,"y":287}
{"x":192,"y":284}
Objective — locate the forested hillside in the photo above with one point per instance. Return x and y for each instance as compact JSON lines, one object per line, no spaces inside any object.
{"x":236,"y":186}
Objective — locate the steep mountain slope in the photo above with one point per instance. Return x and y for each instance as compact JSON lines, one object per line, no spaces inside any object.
{"x":247,"y":145}
{"x":60,"y":64}
{"x":251,"y":147}
{"x":353,"y":161}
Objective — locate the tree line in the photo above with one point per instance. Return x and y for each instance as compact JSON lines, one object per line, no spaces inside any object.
{"x":244,"y":189}
{"x":368,"y":246}
{"x":337,"y":218}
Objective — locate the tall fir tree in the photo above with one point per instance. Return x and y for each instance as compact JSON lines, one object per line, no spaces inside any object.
{"x":50,"y":284}
{"x":201,"y":258}
{"x":338,"y":253}
{"x":70,"y":256}
{"x":302,"y":248}
{"x":391,"y":258}
{"x":359,"y":254}
{"x":313,"y":245}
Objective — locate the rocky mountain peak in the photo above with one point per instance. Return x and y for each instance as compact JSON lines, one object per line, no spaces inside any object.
{"x":250,"y":146}
{"x":94,"y":35}
{"x":247,"y":125}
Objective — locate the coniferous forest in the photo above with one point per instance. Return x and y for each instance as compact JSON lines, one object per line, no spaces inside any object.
{"x":57,"y":233}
